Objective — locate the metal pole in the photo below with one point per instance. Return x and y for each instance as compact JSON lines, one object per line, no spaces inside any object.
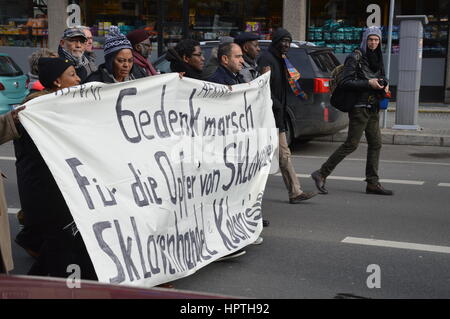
{"x":160,"y":29}
{"x":389,"y":50}
{"x":186,"y":34}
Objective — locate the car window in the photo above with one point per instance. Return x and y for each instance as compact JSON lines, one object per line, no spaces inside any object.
{"x":163,"y":66}
{"x":325,"y":61}
{"x":8,"y":67}
{"x":301,"y":62}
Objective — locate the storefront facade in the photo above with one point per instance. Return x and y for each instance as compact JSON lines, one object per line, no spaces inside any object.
{"x":335,"y":23}
{"x":339,"y":24}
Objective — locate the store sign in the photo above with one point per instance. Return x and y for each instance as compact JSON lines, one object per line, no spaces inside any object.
{"x":74,"y":18}
{"x":374,"y":18}
{"x":162,"y":175}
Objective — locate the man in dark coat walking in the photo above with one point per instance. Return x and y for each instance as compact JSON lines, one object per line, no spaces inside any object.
{"x":274,"y":58}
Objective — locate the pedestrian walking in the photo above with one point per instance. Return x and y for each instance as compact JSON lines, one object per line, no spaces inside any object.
{"x":72,"y":47}
{"x":282,"y":79}
{"x":364,"y":76}
{"x":44,"y":207}
{"x":119,"y":61}
{"x":8,"y":131}
{"x":187,"y":58}
{"x":142,"y":48}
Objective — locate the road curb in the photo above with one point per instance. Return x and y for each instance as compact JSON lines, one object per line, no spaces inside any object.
{"x":394,"y":137}
{"x":425,"y":111}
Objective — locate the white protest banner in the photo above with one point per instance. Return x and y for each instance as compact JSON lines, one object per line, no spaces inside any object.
{"x":162,"y":175}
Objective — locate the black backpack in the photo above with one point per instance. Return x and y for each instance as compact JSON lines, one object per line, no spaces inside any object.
{"x":341,"y":98}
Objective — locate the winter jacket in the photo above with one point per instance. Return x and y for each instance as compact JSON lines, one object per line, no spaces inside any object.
{"x":356,"y":76}
{"x":250,"y":70}
{"x":46,"y":212}
{"x":225,"y":76}
{"x":102,"y":75}
{"x":143,"y":66}
{"x":42,"y":202}
{"x":279,"y":85}
{"x":178,"y":65}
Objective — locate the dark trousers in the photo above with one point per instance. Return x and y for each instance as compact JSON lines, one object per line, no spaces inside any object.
{"x":366,"y":120}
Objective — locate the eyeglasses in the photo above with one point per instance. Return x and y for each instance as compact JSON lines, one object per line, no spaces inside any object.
{"x":198,"y":54}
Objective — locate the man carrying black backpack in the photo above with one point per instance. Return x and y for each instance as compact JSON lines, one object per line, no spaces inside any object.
{"x":364,"y":77}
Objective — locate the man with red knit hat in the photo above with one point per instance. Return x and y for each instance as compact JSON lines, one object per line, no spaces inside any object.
{"x":142,"y":47}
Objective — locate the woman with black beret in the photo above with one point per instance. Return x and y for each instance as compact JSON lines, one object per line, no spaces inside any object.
{"x":49,"y":231}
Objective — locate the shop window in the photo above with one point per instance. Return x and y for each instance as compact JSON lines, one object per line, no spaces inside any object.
{"x":23,"y":23}
{"x":339,"y":23}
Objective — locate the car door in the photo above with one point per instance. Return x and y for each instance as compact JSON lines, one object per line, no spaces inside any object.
{"x":12,"y":79}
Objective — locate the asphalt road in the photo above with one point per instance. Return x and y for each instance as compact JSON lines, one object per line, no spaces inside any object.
{"x":334,"y":245}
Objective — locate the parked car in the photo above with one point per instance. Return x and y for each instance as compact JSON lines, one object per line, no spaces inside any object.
{"x":13,"y":84}
{"x":308,"y":119}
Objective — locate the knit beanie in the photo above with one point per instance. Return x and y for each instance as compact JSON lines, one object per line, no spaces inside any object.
{"x":115,"y":41}
{"x":368,"y":32}
{"x":279,"y":34}
{"x":137,"y":36}
{"x":50,"y":69}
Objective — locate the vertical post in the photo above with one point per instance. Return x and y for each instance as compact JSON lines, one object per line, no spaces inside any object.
{"x":57,"y":16}
{"x":186,"y":19}
{"x":160,"y":29}
{"x":409,"y":71}
{"x":294,"y":18}
{"x":389,"y":51}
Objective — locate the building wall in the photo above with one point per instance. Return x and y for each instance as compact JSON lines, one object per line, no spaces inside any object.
{"x":56,"y":22}
{"x":294,"y":18}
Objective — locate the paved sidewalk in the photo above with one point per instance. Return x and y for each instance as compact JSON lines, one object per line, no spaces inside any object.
{"x":433,"y":119}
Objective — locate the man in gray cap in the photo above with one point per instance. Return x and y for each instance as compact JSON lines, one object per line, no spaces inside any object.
{"x":364,"y":76}
{"x":250,"y":48}
{"x":72,"y":47}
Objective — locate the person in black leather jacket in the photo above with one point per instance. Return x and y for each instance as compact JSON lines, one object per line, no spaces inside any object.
{"x":363,"y":76}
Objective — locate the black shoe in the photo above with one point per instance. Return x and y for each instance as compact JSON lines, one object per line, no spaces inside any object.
{"x":377,"y":189}
{"x":302,"y":197}
{"x":235,"y":254}
{"x":320,"y":182}
{"x":265,"y":223}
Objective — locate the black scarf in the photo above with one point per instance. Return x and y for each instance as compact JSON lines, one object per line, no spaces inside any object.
{"x":375,"y":60}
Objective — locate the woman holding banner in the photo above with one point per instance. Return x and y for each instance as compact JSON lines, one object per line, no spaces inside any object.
{"x":54,"y":236}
